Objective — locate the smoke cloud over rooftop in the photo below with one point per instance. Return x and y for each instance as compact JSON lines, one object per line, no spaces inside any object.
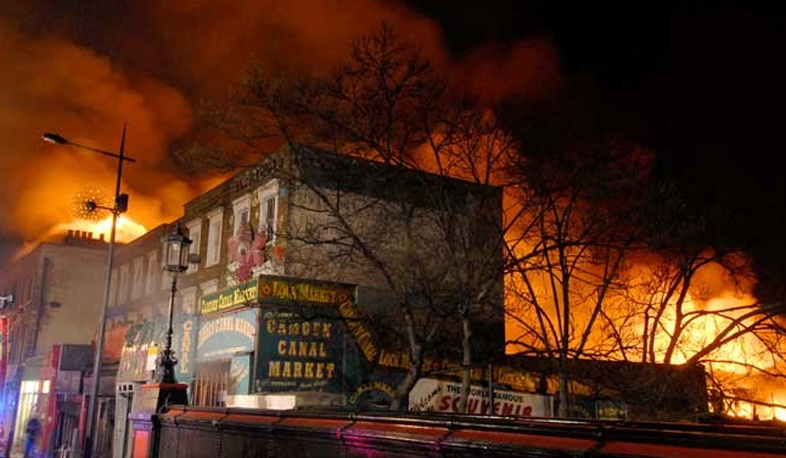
{"x":85,"y":70}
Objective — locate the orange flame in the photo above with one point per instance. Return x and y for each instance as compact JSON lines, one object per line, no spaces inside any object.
{"x":126,"y":229}
{"x":715,"y":305}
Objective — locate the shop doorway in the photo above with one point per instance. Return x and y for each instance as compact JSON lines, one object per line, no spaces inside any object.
{"x":28,"y":401}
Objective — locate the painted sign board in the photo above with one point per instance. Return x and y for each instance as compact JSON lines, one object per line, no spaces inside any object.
{"x":230,"y":298}
{"x":185,"y":343}
{"x":297,"y":353}
{"x":240,"y":375}
{"x":443,"y":396}
{"x":292,"y":291}
{"x":301,"y":344}
{"x":227,"y":335}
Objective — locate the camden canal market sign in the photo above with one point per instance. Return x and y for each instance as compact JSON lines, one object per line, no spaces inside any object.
{"x":301,"y":335}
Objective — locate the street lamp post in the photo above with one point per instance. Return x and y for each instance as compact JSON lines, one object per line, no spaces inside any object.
{"x":176,"y":262}
{"x":120,"y":206}
{"x":157,"y":396}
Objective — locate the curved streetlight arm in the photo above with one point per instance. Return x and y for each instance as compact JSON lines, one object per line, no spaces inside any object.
{"x":90,"y":420}
{"x":59,"y":140}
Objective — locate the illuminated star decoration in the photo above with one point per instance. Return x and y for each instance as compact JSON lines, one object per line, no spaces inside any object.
{"x":87,"y":203}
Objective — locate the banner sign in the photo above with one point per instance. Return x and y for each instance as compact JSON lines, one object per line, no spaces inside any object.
{"x":443,"y":396}
{"x":230,"y":298}
{"x":290,"y":291}
{"x":299,"y":354}
{"x":185,"y":343}
{"x":227,"y":335}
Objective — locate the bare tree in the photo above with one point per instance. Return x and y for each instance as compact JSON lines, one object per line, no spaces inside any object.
{"x":578,"y":191}
{"x":388,"y":208}
{"x":693,"y":292}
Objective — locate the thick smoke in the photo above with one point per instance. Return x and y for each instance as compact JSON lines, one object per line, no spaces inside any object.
{"x":98,"y":66}
{"x":53,"y":85}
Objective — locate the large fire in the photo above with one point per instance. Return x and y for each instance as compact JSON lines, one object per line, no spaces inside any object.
{"x":734,"y":363}
{"x":126,"y":230}
{"x":718,"y":324}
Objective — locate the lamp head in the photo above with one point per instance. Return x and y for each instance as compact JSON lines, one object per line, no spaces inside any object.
{"x":54,"y":138}
{"x":176,"y":251}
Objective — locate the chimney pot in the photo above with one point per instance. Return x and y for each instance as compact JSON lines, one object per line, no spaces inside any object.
{"x":101,"y":237}
{"x":90,"y":235}
{"x":70,"y":233}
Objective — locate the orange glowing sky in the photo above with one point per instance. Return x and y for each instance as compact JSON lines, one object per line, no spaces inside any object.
{"x":66,"y":77}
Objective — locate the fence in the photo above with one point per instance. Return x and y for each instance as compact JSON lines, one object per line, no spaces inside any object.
{"x":223,"y":433}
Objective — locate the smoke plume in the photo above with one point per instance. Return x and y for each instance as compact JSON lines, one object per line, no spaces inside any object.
{"x":84,"y":70}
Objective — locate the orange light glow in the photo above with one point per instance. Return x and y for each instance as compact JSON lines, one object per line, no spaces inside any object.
{"x":126,"y":231}
{"x":714,"y":308}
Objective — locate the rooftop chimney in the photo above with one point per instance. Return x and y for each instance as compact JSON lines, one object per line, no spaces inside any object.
{"x":84,"y":239}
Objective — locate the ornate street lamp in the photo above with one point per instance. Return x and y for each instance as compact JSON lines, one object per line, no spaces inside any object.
{"x":176,"y":260}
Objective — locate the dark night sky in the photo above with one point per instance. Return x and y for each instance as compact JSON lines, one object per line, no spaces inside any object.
{"x":700,"y":83}
{"x":703,"y":84}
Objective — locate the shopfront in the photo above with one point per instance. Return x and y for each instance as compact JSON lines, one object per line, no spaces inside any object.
{"x":224,"y":358}
{"x":33,"y":397}
{"x":137,"y":366}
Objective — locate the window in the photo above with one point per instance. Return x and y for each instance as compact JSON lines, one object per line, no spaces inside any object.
{"x":215,"y":222}
{"x":122,"y":295}
{"x":268,"y":209}
{"x":139,"y":279}
{"x":195,"y":234}
{"x":188,"y":300}
{"x":241,"y":209}
{"x":209,"y":287}
{"x":152,"y":270}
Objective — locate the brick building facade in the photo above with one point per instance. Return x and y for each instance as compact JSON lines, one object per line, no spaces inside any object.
{"x":51,"y":298}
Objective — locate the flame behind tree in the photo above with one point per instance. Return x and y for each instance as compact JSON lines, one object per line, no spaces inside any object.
{"x":693,"y":305}
{"x":666,"y":293}
{"x":578,"y":190}
{"x":576,"y":204}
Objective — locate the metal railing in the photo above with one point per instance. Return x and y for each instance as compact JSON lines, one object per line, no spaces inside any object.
{"x":222,"y":433}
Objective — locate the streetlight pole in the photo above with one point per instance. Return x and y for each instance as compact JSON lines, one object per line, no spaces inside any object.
{"x":120,"y":205}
